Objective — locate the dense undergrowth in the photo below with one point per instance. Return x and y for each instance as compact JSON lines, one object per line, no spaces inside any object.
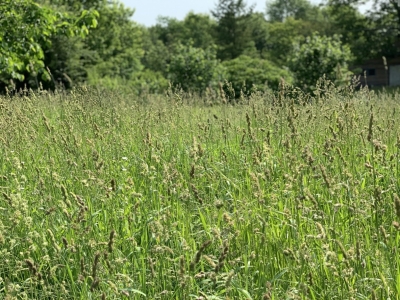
{"x":280,"y":196}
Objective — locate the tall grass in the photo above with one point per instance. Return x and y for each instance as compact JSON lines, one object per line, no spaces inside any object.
{"x":286,"y":196}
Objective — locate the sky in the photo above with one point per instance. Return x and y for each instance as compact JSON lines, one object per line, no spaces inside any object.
{"x":147,"y":11}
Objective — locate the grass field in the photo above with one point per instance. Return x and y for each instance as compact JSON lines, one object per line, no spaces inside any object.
{"x":104,"y":196}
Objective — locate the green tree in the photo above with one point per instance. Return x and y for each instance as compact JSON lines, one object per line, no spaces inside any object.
{"x":194,"y":69}
{"x":259,"y":33}
{"x":354,"y":30}
{"x":75,"y":5}
{"x":279,"y":10}
{"x":112,"y":50}
{"x":232,"y":33}
{"x":66,"y":56}
{"x":115,"y":45}
{"x":197,"y":29}
{"x":156,"y":54}
{"x":26,"y":28}
{"x":320,"y":56}
{"x":246,"y":73}
{"x":371,"y":35}
{"x":282,"y":35}
{"x":159,"y":41}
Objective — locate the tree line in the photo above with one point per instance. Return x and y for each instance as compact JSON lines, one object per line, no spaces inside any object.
{"x":47,"y":43}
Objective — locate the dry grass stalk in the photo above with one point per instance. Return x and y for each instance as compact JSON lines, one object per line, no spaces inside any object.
{"x":370,"y":126}
{"x":33,"y":269}
{"x":65,"y":243}
{"x":94,"y":284}
{"x":82,"y":266}
{"x":182,"y":271}
{"x":325,"y":176}
{"x":192,"y":171}
{"x":196,"y":194}
{"x":111,"y":241}
{"x":222,"y":93}
{"x":344,"y":252}
{"x":209,"y":260}
{"x":322,"y":234}
{"x":221,"y":259}
{"x":113,"y":185}
{"x":229,"y":279}
{"x":373,"y":295}
{"x":197,"y":257}
{"x":64,"y":193}
{"x":397,"y":204}
{"x":95,"y":266}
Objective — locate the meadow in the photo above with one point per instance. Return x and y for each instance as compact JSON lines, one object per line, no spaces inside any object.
{"x":281,"y":195}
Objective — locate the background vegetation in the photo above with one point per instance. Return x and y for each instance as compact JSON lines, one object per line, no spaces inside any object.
{"x":97,"y":42}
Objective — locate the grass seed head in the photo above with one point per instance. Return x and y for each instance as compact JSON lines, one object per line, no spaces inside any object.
{"x":321,"y":230}
{"x":197,"y":257}
{"x":221,"y":259}
{"x":94,"y":284}
{"x":370,"y":126}
{"x":325,"y":176}
{"x":192,"y":171}
{"x":397,"y":204}
{"x":344,"y":252}
{"x":95,"y":265}
{"x":229,"y":279}
{"x":65,"y":242}
{"x":111,"y":241}
{"x":113,"y":185}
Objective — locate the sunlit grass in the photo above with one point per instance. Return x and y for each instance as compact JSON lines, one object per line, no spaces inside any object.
{"x":179,"y":197}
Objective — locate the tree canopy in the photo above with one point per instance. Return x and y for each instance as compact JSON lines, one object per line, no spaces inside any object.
{"x":98,"y":42}
{"x":26,"y":28}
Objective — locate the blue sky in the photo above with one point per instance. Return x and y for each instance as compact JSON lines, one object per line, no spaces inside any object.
{"x":147,"y":11}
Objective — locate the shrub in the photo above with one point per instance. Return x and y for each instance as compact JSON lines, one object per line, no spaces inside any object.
{"x":320,"y":56}
{"x":195,"y":69}
{"x":246,"y":73}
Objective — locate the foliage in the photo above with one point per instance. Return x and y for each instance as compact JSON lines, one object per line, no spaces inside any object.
{"x":233,"y":35}
{"x":197,"y":29}
{"x":116,"y":44}
{"x":282,"y":35}
{"x":372,"y":35}
{"x":320,"y":56}
{"x":248,"y":74}
{"x":156,"y":55}
{"x":259,"y":33}
{"x":149,"y":81}
{"x":160,"y":41}
{"x":26,"y":28}
{"x":357,"y":31}
{"x":65,"y":58}
{"x":77,"y":5}
{"x":384,"y":22}
{"x":194,"y":69}
{"x":57,"y":39}
{"x":145,"y":81}
{"x":280,"y":10}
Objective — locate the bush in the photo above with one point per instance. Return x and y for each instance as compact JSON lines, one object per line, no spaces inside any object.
{"x":195,"y":69}
{"x":320,"y":56}
{"x":144,"y":81}
{"x":247,"y":74}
